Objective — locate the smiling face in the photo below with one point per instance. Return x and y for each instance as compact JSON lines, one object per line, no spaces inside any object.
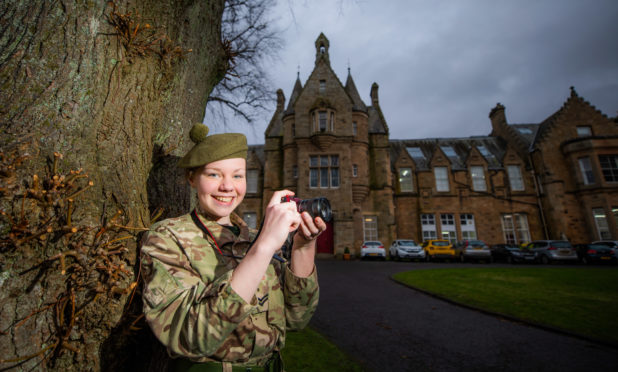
{"x":221,"y":186}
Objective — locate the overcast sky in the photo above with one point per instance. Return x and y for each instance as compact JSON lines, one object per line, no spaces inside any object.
{"x":443,"y":65}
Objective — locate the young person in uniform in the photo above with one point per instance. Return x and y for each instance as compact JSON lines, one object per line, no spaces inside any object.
{"x":216,"y":293}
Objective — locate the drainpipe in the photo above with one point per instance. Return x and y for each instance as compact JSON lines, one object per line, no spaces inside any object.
{"x":538,"y":197}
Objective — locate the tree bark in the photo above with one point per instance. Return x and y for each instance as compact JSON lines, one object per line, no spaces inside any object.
{"x":116,"y":100}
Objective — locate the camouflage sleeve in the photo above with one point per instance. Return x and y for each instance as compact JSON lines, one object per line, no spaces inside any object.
{"x":301,"y":298}
{"x":189,"y":316}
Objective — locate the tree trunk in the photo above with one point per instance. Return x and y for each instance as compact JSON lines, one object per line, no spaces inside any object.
{"x":114,"y":88}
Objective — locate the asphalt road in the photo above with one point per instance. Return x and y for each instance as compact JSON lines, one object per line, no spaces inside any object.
{"x":386,"y":326}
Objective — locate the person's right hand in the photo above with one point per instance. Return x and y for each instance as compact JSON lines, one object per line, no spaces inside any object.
{"x":280,"y":220}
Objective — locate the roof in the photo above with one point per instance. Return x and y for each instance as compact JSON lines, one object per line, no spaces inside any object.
{"x":377,"y":124}
{"x":298,"y":88}
{"x":350,"y":88}
{"x":456,"y":149}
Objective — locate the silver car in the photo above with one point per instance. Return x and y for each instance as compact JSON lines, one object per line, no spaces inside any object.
{"x":477,"y":250}
{"x":406,"y":248}
{"x":553,"y":250}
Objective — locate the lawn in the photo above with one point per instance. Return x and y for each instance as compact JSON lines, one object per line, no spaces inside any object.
{"x":579,"y":300}
{"x":309,"y":351}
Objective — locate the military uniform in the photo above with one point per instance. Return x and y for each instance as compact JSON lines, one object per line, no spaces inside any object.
{"x":192,"y":308}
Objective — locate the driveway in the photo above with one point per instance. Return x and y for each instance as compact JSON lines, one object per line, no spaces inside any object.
{"x":388,"y":327}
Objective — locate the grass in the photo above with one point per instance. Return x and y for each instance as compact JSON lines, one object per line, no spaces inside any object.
{"x":307,"y":350}
{"x":579,"y":300}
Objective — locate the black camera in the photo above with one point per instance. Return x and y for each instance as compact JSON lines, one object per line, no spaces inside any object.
{"x":316,"y":207}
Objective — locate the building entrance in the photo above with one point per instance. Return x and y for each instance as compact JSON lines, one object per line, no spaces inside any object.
{"x":326,"y":240}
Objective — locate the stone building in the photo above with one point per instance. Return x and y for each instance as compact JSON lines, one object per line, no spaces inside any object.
{"x":556,"y":179}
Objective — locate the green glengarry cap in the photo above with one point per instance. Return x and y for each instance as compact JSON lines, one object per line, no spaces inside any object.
{"x":208,"y":149}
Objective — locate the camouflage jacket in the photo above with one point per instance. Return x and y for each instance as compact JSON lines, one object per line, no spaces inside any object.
{"x":191,"y":307}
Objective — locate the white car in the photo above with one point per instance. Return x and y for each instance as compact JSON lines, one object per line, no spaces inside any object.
{"x":406,"y":248}
{"x":372,"y":248}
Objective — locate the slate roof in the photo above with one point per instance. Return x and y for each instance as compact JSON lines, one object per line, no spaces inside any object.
{"x":526,"y":131}
{"x":298,"y":87}
{"x":350,"y":88}
{"x":259,"y":152}
{"x":491,"y":148}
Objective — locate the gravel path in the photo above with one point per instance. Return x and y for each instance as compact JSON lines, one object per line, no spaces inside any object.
{"x":389,"y":327}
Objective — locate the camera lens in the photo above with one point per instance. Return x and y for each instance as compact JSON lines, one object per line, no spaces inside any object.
{"x":317,"y":207}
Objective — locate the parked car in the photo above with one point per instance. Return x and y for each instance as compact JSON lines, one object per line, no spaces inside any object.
{"x":472,"y":250}
{"x":591,"y":253}
{"x":406,"y":248}
{"x":553,"y":250}
{"x":512,"y":253}
{"x":613,"y":244}
{"x":372,"y":248}
{"x":438,"y":248}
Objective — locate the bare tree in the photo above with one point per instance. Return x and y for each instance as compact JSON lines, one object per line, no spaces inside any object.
{"x":247,"y":31}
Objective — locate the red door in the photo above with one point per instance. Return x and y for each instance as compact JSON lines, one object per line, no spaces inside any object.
{"x":325,"y":240}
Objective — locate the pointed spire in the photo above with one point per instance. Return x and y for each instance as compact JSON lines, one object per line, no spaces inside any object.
{"x":350,"y":88}
{"x":298,"y":87}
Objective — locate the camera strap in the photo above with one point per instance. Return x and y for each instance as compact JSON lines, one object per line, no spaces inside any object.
{"x":204,"y":229}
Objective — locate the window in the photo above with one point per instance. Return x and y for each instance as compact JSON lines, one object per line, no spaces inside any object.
{"x":370,"y":228}
{"x":250,"y":219}
{"x":416,"y":153}
{"x":515,"y":228}
{"x":478,"y":178}
{"x":441,"y":174}
{"x":354,"y":170}
{"x":332,"y":121}
{"x":468,"y":228}
{"x":525,"y":130}
{"x":324,"y":171}
{"x":322,"y":86}
{"x":295,"y":171}
{"x":252,"y":181}
{"x":449,"y":151}
{"x":600,"y":219}
{"x":584,"y":131}
{"x":609,"y":167}
{"x":483,"y":150}
{"x":586,"y":168}
{"x":405,"y":180}
{"x":514,"y":173}
{"x":322,"y":121}
{"x":448,"y":228}
{"x":354,"y":128}
{"x":428,"y":226}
